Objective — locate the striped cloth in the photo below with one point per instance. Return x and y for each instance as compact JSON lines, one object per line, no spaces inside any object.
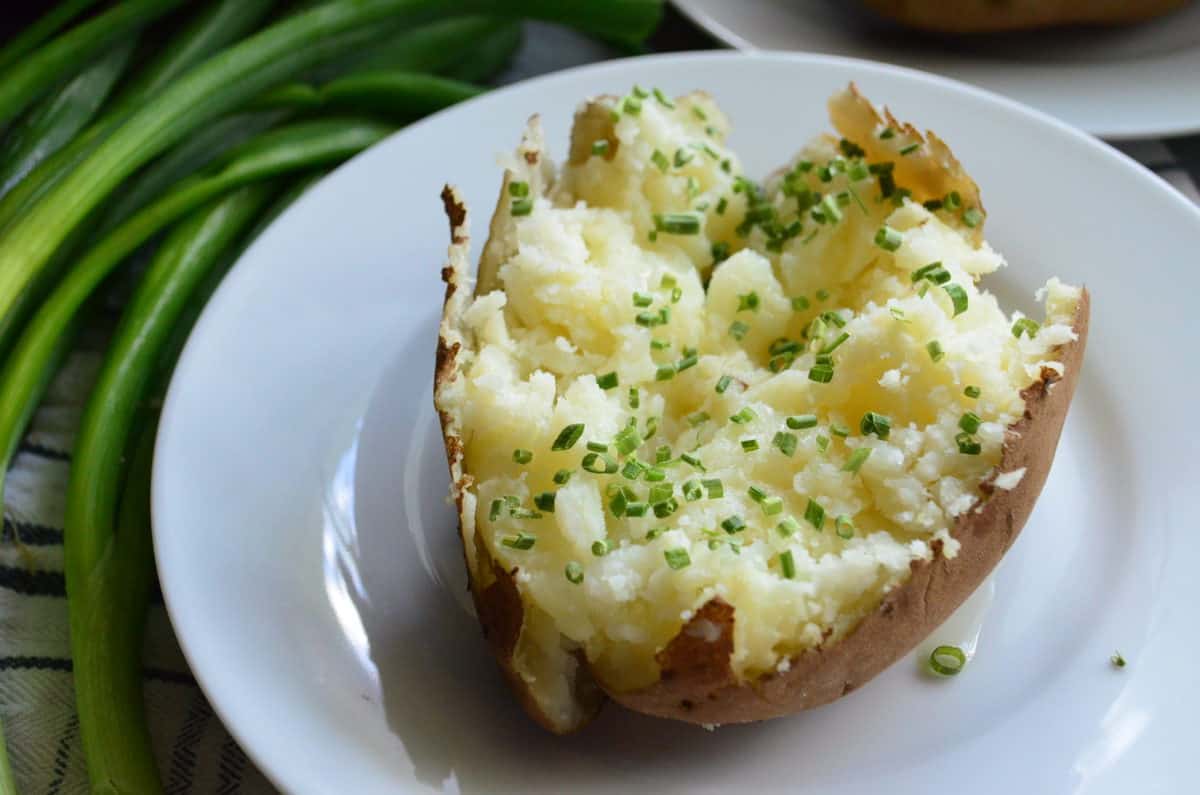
{"x":195,"y":753}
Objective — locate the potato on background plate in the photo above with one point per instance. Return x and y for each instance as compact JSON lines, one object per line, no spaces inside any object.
{"x":723,"y":451}
{"x":979,"y":16}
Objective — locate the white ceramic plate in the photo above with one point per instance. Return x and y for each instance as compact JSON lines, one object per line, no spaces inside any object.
{"x":1119,"y":83}
{"x":310,"y":563}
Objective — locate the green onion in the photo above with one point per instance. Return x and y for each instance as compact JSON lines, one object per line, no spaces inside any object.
{"x":875,"y":423}
{"x":522,"y":456}
{"x":545,"y":501}
{"x":677,"y":223}
{"x":837,"y":429}
{"x":632,"y":106}
{"x":655,"y":475}
{"x":972,"y":392}
{"x":972,"y":217}
{"x":1025,"y":326}
{"x":723,"y":383}
{"x":814,"y":514}
{"x":1117,"y":660}
{"x":749,"y":445}
{"x":856,"y":459}
{"x":786,"y":442}
{"x":800,"y":303}
{"x":822,"y":442}
{"x":802,"y":421}
{"x":748,"y":302}
{"x":933,"y":272}
{"x":599,"y":463}
{"x":665,"y":508}
{"x":574,"y":573}
{"x":958,"y":296}
{"x":665,"y":372}
{"x":635,"y":397}
{"x":787,"y":563}
{"x":651,"y":427}
{"x":970,"y":422}
{"x":597,"y":447}
{"x":888,"y":239}
{"x":600,"y":548}
{"x":772,"y":506}
{"x":713,"y":487}
{"x":660,"y":160}
{"x":952,"y":200}
{"x":620,"y":501}
{"x":733,"y":524}
{"x":844,"y":526}
{"x":633,"y":469}
{"x":967,"y":445}
{"x":600,"y":147}
{"x":660,"y":492}
{"x":566,"y":438}
{"x":662,"y":455}
{"x":692,"y":461}
{"x":682,"y":157}
{"x":522,"y":541}
{"x":743,"y":416}
{"x":738,"y":329}
{"x":636,"y":510}
{"x":494,"y":513}
{"x":699,"y":418}
{"x":699,"y":113}
{"x":518,"y":189}
{"x":607,"y":381}
{"x":935,"y":350}
{"x":521,"y":207}
{"x":908,"y":150}
{"x":662,"y":99}
{"x":692,"y":490}
{"x":821,"y":373}
{"x":627,"y":440}
{"x":562,"y":476}
{"x":833,"y":346}
{"x":947,"y":660}
{"x":687,"y":362}
{"x":642,"y":300}
{"x":756,"y":494}
{"x":677,"y":558}
{"x":822,"y":294}
{"x":655,"y":532}
{"x":787,"y":527}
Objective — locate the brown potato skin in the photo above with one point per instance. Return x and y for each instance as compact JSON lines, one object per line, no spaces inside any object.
{"x":983,"y":16}
{"x":698,"y":685}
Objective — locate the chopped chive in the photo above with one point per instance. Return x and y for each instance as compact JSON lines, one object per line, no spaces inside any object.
{"x":967,"y":445}
{"x":1117,"y":660}
{"x":749,"y":445}
{"x":970,"y":422}
{"x":662,"y":99}
{"x":599,"y":463}
{"x":744,"y":415}
{"x":887,"y":133}
{"x":722,"y":205}
{"x":897,"y":313}
{"x":627,"y":440}
{"x":665,"y":508}
{"x":934,"y":272}
{"x":738,"y":329}
{"x":787,"y":565}
{"x":837,"y":429}
{"x":636,"y":510}
{"x":662,"y":455}
{"x":952,"y":200}
{"x":723,"y":383}
{"x":733,"y":524}
{"x":947,"y":660}
{"x":521,"y":206}
{"x":648,"y":319}
{"x":972,"y":392}
{"x":568,"y":436}
{"x":935,"y":350}
{"x":692,"y":490}
{"x":655,"y":532}
{"x":574,"y":573}
{"x":856,"y":459}
{"x":660,"y":492}
{"x":833,"y":346}
{"x":1025,"y":326}
{"x":713,"y":487}
{"x":802,"y":421}
{"x":655,"y":475}
{"x":597,"y":447}
{"x":677,"y":223}
{"x":787,"y":527}
{"x":756,"y":494}
{"x":494,"y":513}
{"x":651,"y":427}
{"x":858,"y":171}
{"x":600,"y":548}
{"x":519,"y":541}
{"x":822,"y":294}
{"x":786,"y":442}
{"x":677,"y":558}
{"x":821,"y":373}
{"x":748,"y":302}
{"x":518,"y":190}
{"x":799,"y":303}
{"x":676,"y":294}
{"x":814,"y":514}
{"x":687,"y":362}
{"x":933,"y":205}
{"x":875,"y":423}
{"x":642,"y":300}
{"x":958,"y":296}
{"x":720,"y":252}
{"x":635,"y":398}
{"x":660,"y":160}
{"x":699,"y":418}
{"x":632,"y":469}
{"x":888,"y":239}
{"x":830,"y":208}
{"x":772,"y":506}
{"x":607,"y":381}
{"x":972,"y":217}
{"x":640,"y":92}
{"x":522,"y":456}
{"x":665,"y":372}
{"x":619,"y":502}
{"x":908,"y":150}
{"x":682,"y":157}
{"x":545,"y":501}
{"x":692,"y":461}
{"x":844,"y":526}
{"x":652,"y":235}
{"x":659,"y":345}
{"x":600,"y":148}
{"x":632,"y":106}
{"x":699,"y":113}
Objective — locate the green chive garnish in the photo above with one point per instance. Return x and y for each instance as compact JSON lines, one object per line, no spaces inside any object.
{"x":665,"y":508}
{"x":632,"y":106}
{"x":844,"y":526}
{"x":822,"y":442}
{"x":662,"y":99}
{"x":1117,"y":660}
{"x":682,"y":157}
{"x":633,"y":469}
{"x":821,"y":373}
{"x":749,"y":445}
{"x":574,"y":573}
{"x":1027,"y":327}
{"x":599,"y":463}
{"x":952,"y":200}
{"x":713,"y":487}
{"x":744,"y":415}
{"x":692,"y":490}
{"x":887,"y":133}
{"x":786,"y":442}
{"x":935,"y":350}
{"x":875,"y":423}
{"x":947,"y":660}
{"x":687,"y":362}
{"x":494,"y":513}
{"x":908,"y":150}
{"x":545,"y":501}
{"x":656,"y":475}
{"x":814,"y":514}
{"x":521,"y":206}
{"x":748,"y":302}
{"x":970,"y":422}
{"x":888,"y":239}
{"x":802,"y":421}
{"x":660,"y":160}
{"x":967,"y":445}
{"x":677,"y":223}
{"x":756,"y":494}
{"x":562,"y":476}
{"x":659,"y":345}
{"x":734,"y":524}
{"x":519,"y":541}
{"x":627,"y":440}
{"x":635,"y":397}
{"x":636,"y":510}
{"x":521,"y":456}
{"x":933,"y":272}
{"x":772,"y":506}
{"x":856,"y":459}
{"x":972,"y":392}
{"x":597,"y":447}
{"x":972,"y":217}
{"x":600,"y":148}
{"x":568,"y":436}
{"x":699,"y":418}
{"x":738,"y":329}
{"x":837,"y":429}
{"x":677,"y":558}
{"x":833,"y":346}
{"x":642,"y":300}
{"x":800,"y":303}
{"x":600,"y":548}
{"x":958,"y":296}
{"x":607,"y":381}
{"x":787,"y":565}
{"x":665,"y":372}
{"x":787,"y":527}
{"x":692,"y":461}
{"x":723,"y":383}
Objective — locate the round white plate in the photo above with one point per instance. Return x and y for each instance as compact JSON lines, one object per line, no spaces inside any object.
{"x":311,"y":566}
{"x":1118,"y":83}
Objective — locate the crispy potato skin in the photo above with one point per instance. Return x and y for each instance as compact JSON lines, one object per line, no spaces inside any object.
{"x":697,"y":683}
{"x":982,"y":16}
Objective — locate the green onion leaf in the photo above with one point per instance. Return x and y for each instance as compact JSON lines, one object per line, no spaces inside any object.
{"x":600,"y":148}
{"x":738,"y":329}
{"x":786,"y":442}
{"x":599,"y":463}
{"x":600,"y":548}
{"x":521,"y":541}
{"x":972,"y":217}
{"x":1027,"y":327}
{"x":568,"y":436}
{"x":692,"y":490}
{"x":494,"y":513}
{"x":545,"y":501}
{"x":972,"y":392}
{"x":967,"y":445}
{"x":933,"y":272}
{"x":635,"y":397}
{"x":521,"y":206}
{"x":787,"y":564}
{"x":844,"y":526}
{"x":802,"y":421}
{"x":665,"y":372}
{"x":745,"y":415}
{"x":562,"y":476}
{"x":749,"y":445}
{"x":837,"y":429}
{"x":947,"y":660}
{"x":958,"y":296}
{"x":856,"y":459}
{"x":677,"y":558}
{"x":713,"y":487}
{"x":772,"y":506}
{"x":723,"y":383}
{"x":607,"y":381}
{"x":814,"y":514}
{"x":660,"y":160}
{"x":888,"y":239}
{"x":692,"y":461}
{"x":521,"y":456}
{"x":821,"y":373}
{"x":574,"y":573}
{"x":636,"y":510}
{"x":682,"y":157}
{"x":677,"y":223}
{"x":787,"y":527}
{"x":970,"y":422}
{"x":935,"y":350}
{"x":627,"y":440}
{"x":748,"y":302}
{"x":733,"y":524}
{"x":875,"y":423}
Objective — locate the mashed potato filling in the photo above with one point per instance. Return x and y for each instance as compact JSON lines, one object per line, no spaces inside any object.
{"x":788,"y":437}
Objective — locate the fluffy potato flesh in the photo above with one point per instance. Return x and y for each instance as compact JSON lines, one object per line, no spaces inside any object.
{"x":679,"y":392}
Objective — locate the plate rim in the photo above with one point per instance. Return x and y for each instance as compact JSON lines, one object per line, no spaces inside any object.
{"x":217,"y":698}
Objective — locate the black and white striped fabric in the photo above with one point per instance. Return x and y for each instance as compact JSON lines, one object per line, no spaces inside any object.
{"x":195,"y":753}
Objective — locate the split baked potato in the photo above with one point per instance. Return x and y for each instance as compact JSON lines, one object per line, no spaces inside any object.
{"x":981,"y":16}
{"x":723,"y":451}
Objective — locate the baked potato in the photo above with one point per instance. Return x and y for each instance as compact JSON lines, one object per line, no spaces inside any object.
{"x":723,"y":451}
{"x":981,"y":16}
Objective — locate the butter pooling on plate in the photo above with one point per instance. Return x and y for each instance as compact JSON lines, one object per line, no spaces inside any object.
{"x":707,"y":435}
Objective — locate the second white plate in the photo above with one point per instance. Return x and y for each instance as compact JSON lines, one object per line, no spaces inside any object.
{"x":1118,"y":83}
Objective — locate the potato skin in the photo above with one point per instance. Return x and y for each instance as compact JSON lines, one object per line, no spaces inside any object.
{"x":982,"y":16}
